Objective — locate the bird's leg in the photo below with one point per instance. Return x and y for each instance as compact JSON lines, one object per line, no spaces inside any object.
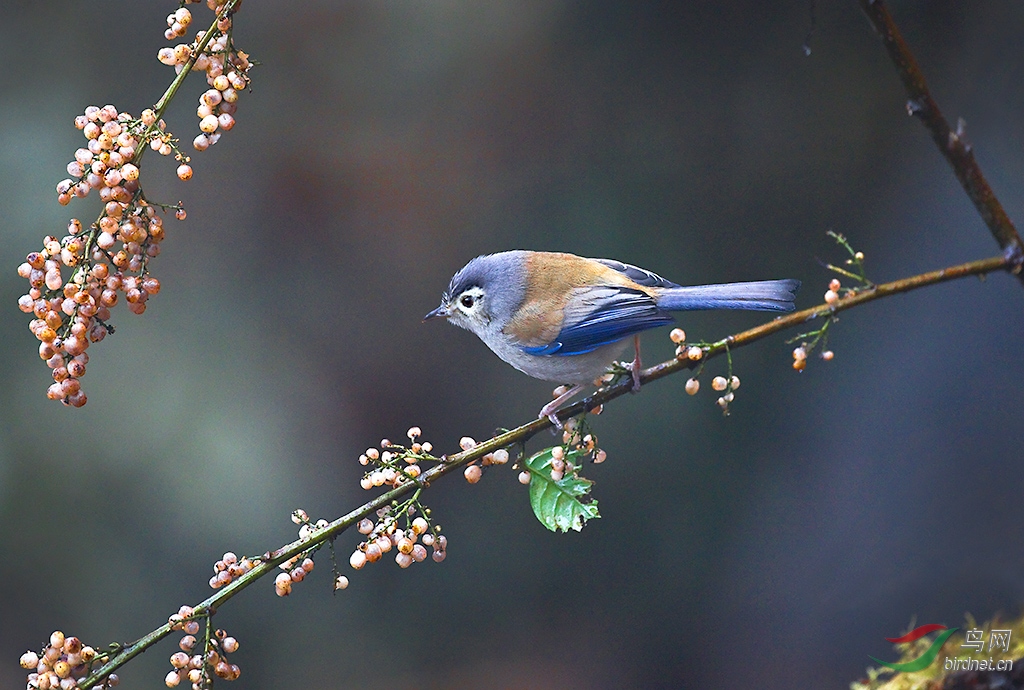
{"x":551,"y":408}
{"x":635,"y":365}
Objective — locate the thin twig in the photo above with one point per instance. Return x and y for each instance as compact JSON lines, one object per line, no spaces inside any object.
{"x":270,"y":560}
{"x":951,"y":143}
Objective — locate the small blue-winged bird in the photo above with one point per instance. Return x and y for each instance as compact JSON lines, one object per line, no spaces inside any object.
{"x":560,"y":317}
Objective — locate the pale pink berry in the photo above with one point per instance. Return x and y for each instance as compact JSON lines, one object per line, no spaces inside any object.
{"x":419,"y":525}
{"x":166,"y":57}
{"x":692,"y":386}
{"x":211,"y":98}
{"x":209,"y":124}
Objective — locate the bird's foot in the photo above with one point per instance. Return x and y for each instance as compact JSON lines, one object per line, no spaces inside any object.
{"x":551,"y":409}
{"x":634,"y":366}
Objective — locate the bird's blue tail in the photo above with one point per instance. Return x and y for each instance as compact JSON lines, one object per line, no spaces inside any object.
{"x":760,"y":295}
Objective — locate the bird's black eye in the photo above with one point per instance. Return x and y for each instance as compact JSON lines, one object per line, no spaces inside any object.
{"x":467,"y":301}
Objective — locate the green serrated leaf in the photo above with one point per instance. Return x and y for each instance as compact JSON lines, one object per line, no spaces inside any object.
{"x":558,"y":504}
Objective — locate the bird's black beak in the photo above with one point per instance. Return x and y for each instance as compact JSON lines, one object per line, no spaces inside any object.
{"x":440,"y":311}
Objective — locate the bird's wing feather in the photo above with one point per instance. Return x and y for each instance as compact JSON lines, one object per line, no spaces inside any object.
{"x":600,"y":315}
{"x":640,"y":276}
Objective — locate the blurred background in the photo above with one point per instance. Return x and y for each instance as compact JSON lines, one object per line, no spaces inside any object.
{"x":386,"y":143}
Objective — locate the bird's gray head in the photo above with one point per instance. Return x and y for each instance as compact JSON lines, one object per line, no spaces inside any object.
{"x":484,"y":294}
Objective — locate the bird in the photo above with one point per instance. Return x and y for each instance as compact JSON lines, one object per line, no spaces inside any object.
{"x":560,"y":317}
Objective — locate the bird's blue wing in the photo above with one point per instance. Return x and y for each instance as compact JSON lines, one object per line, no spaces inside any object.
{"x":602,"y":315}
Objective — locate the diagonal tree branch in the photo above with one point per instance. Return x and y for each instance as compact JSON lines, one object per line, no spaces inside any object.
{"x":951,"y":143}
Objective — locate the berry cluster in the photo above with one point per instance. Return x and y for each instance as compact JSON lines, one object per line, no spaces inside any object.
{"x":105,"y":163}
{"x":835,"y":292}
{"x":694,"y":353}
{"x":410,"y":543}
{"x":296,"y":568}
{"x":105,"y":262}
{"x":576,"y":436}
{"x":229,"y":568}
{"x":62,"y":663}
{"x":76,"y":279}
{"x":721,"y":384}
{"x":296,"y":572}
{"x":578,"y":443}
{"x":197,"y":664}
{"x":474,"y":471}
{"x":226,"y":68}
{"x":812,"y":339}
{"x":832,"y":294}
{"x":393,"y":464}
